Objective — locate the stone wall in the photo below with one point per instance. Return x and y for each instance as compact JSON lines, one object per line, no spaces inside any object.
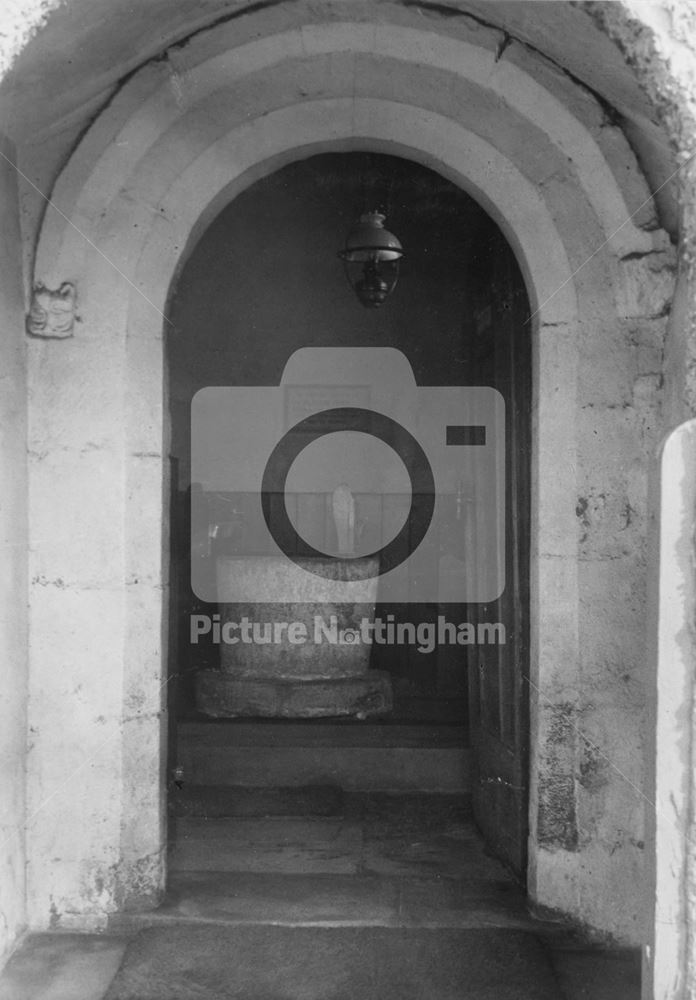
{"x":145,"y":179}
{"x":658,"y":40}
{"x":591,"y":712}
{"x":599,"y":416}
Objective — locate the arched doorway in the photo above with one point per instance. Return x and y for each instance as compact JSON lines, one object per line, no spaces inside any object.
{"x":143,"y":200}
{"x":262,"y":283}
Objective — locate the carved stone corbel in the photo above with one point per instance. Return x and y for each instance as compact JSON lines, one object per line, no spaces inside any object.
{"x":52,"y":312}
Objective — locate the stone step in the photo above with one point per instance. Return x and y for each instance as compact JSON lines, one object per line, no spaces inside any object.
{"x":212,"y":801}
{"x":224,"y":961}
{"x":395,"y":758}
{"x":336,"y":900}
{"x":313,"y":733}
{"x":370,"y":838}
{"x":357,"y":768}
{"x":288,"y":845}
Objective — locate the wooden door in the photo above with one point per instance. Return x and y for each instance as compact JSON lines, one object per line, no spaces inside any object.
{"x":498,"y":685}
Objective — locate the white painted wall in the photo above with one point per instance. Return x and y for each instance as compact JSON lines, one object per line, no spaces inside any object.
{"x":671,"y":790}
{"x":13,"y":569}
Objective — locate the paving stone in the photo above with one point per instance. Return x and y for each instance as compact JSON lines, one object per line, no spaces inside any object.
{"x":274,"y":844}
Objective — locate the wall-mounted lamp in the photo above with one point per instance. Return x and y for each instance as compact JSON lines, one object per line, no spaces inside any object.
{"x":371,"y":258}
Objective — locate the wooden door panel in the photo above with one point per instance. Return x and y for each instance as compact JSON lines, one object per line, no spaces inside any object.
{"x":498,"y":697}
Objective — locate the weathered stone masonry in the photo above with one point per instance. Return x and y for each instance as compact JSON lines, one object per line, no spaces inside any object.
{"x":613,"y":370}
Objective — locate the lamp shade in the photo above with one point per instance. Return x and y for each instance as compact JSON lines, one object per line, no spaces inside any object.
{"x":371,"y":258}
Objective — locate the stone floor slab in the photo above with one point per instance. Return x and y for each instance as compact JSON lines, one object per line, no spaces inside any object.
{"x":62,"y":967}
{"x":301,"y":963}
{"x":274,"y":844}
{"x":449,"y":903}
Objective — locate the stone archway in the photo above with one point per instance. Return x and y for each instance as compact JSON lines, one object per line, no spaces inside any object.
{"x":148,"y":176}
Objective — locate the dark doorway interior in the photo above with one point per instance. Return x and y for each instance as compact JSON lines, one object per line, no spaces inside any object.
{"x":264,"y":281}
